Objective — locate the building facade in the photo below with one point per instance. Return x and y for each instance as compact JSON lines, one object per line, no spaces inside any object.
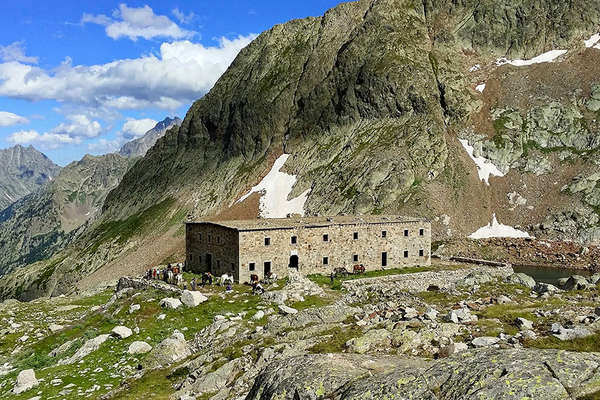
{"x":311,"y":245}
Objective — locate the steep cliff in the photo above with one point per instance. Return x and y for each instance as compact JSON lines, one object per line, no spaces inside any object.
{"x":138,"y":147}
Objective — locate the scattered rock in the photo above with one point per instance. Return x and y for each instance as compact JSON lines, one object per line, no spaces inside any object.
{"x":170,"y":303}
{"x":121,"y":332}
{"x":521,"y":279}
{"x":502,"y":299}
{"x":376,"y":338}
{"x":259,"y":315}
{"x":170,"y":350}
{"x":524,"y":324}
{"x":192,"y":298}
{"x":133,"y":308}
{"x":88,"y":347}
{"x":576,"y":282}
{"x":563,"y":333}
{"x":542,"y":288}
{"x":26,"y":380}
{"x":285,"y":310}
{"x":139,"y":347}
{"x":431,"y":314}
{"x":55,"y":327}
{"x":161,"y":317}
{"x":485,"y":341}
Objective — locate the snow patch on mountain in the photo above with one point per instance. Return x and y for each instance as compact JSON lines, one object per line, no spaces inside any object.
{"x":275,"y":187}
{"x":485,"y":168}
{"x":549,"y":56}
{"x":496,"y":229}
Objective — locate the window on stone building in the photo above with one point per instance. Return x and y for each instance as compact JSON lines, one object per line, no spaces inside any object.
{"x":355,"y":258}
{"x":326,"y":238}
{"x":383,"y":234}
{"x":421,"y":232}
{"x":199,"y":237}
{"x":355,"y":235}
{"x":384,"y":259}
{"x":267,"y":241}
{"x":406,"y":232}
{"x":199,"y":259}
{"x":251,"y":267}
{"x":325,"y":260}
{"x":294,"y":239}
{"x":405,"y":253}
{"x":421,"y":253}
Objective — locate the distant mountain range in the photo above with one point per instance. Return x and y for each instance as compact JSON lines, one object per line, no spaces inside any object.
{"x":139,"y":147}
{"x":24,"y":170}
{"x":47,"y":219}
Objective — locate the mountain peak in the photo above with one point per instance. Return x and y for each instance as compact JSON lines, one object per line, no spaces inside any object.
{"x":139,"y":146}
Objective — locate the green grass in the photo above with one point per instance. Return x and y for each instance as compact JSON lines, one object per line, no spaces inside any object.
{"x":586,"y":344}
{"x":337,"y":342}
{"x":312,"y":301}
{"x":325,"y":280}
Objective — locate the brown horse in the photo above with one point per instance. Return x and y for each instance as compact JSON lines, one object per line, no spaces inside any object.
{"x":358,"y":269}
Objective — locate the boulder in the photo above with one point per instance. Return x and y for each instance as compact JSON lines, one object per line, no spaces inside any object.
{"x":563,"y":333}
{"x":461,"y":315}
{"x":285,"y":310}
{"x":562,"y":282}
{"x":431,"y":314}
{"x":121,"y":332}
{"x":452,"y":348}
{"x":524,"y":324}
{"x":88,"y":347}
{"x":576,"y":282}
{"x":594,"y":279}
{"x":170,"y":303}
{"x":542,"y":288}
{"x":376,"y":338}
{"x":26,"y":380}
{"x":521,"y":279}
{"x":192,"y":298}
{"x":485,"y":341}
{"x":409,"y":313}
{"x":139,"y":347}
{"x":169,"y":351}
{"x":133,"y":308}
{"x":259,"y":315}
{"x":502,"y":299}
{"x":55,"y":328}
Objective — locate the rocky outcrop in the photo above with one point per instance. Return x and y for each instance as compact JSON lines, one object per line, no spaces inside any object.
{"x":506,"y":374}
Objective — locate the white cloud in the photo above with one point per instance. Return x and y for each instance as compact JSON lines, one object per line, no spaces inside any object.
{"x":182,"y":17}
{"x":78,"y":128}
{"x":47,"y":139}
{"x":135,"y":128}
{"x":80,"y":125}
{"x":16,"y":52}
{"x":9,"y":119}
{"x":181,"y":73}
{"x":105,"y":146}
{"x":135,"y":23}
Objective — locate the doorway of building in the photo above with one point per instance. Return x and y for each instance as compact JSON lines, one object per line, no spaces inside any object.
{"x":267,"y":270}
{"x":209,"y":263}
{"x":293,"y":262}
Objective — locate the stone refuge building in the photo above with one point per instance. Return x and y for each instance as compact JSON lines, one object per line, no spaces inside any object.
{"x":311,"y":245}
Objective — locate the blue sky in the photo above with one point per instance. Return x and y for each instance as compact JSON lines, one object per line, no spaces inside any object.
{"x":81,"y":77}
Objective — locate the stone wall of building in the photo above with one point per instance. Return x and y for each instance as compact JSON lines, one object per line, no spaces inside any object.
{"x":341,"y":249}
{"x":211,"y":247}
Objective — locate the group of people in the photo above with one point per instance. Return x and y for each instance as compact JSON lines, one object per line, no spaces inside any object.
{"x":172,"y":274}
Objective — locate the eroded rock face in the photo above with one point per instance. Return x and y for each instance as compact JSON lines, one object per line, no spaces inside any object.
{"x":26,"y":380}
{"x":170,"y":350}
{"x":87,"y":348}
{"x":535,"y":374}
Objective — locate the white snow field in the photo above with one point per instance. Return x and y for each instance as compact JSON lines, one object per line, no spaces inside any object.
{"x":276,"y":187}
{"x":593,"y":41}
{"x":549,"y":56}
{"x":485,"y":168}
{"x":495,"y":230}
{"x":480,"y":88}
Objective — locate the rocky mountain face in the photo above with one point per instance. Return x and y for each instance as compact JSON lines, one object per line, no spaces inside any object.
{"x":44,"y":222}
{"x":139,"y":146}
{"x":378,"y":103}
{"x":24,"y":170}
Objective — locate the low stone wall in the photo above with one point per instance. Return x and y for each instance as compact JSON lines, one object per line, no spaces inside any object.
{"x":142,"y":284}
{"x":420,"y":281}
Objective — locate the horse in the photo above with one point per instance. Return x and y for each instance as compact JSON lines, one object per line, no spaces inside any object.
{"x":340,"y":271}
{"x":207,"y":279}
{"x":226,"y":278}
{"x":271,"y":278}
{"x":170,"y":276}
{"x":179,"y":279}
{"x":358,"y":269}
